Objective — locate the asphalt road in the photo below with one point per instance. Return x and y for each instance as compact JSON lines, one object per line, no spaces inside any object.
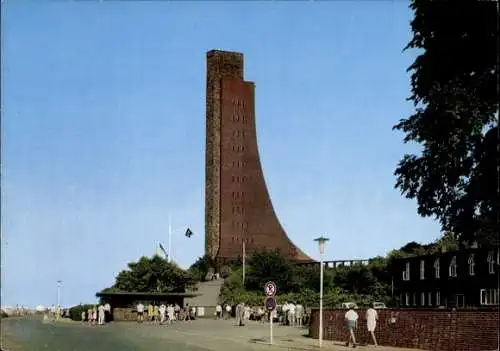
{"x":31,"y":334}
{"x":201,"y":335}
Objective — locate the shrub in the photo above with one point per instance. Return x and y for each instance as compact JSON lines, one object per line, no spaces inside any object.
{"x":75,"y":312}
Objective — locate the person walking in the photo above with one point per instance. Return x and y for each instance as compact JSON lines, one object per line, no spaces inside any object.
{"x":371,"y":323}
{"x":240,"y":314}
{"x":140,"y":312}
{"x":171,"y":314}
{"x":100,"y":310}
{"x":228,"y":311}
{"x":351,"y":318}
{"x":218,"y":311}
{"x":163,"y":310}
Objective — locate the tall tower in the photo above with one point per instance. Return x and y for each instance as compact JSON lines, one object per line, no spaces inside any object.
{"x":237,"y":205}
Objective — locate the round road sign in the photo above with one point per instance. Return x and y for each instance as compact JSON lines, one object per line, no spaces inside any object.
{"x":270,"y":289}
{"x":270,"y":303}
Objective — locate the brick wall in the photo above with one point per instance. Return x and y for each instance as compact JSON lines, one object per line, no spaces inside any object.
{"x":426,"y":329}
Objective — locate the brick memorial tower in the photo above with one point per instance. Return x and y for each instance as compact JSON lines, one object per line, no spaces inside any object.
{"x":237,"y":205}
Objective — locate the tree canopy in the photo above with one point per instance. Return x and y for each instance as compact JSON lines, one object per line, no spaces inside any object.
{"x":151,"y":274}
{"x":454,"y":90}
{"x":363,"y":284}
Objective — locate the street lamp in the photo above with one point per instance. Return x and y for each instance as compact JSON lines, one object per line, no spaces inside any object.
{"x":321,"y":242}
{"x":58,"y":307}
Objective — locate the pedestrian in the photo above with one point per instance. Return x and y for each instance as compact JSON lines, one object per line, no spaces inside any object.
{"x":171,"y":314}
{"x":351,"y":318}
{"x":228,"y":311}
{"x":218,"y":311}
{"x":163,"y":310}
{"x":140,"y":312}
{"x":101,"y":315}
{"x":240,"y":314}
{"x":89,"y":315}
{"x":83,"y":316}
{"x":371,"y":323}
{"x":177,"y":311}
{"x":156,"y":313}
{"x":151,"y":311}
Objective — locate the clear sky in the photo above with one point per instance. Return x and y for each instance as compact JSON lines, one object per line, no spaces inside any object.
{"x":103,"y":131}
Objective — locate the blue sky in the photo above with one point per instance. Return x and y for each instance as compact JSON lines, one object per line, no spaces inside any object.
{"x":103,"y":131}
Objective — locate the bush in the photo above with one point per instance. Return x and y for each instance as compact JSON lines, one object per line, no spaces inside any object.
{"x":75,"y":312}
{"x":4,"y":314}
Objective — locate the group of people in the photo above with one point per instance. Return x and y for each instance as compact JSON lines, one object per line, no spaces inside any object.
{"x":351,"y":318}
{"x":97,"y":314}
{"x":159,"y":314}
{"x":288,"y":314}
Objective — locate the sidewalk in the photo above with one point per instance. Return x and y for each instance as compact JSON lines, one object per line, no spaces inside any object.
{"x":306,"y":344}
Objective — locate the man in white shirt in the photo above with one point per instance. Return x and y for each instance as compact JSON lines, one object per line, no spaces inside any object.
{"x":371,"y":323}
{"x":228,"y":311}
{"x":218,"y":311}
{"x":291,"y":314}
{"x":140,"y":312}
{"x":100,"y":310}
{"x":163,"y":310}
{"x":351,"y":318}
{"x":284,"y":310}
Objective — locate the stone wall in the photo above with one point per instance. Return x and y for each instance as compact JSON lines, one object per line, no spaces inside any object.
{"x":124,"y":314}
{"x":427,"y":329}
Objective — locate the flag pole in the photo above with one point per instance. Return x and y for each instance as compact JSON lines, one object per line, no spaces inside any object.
{"x":169,"y":238}
{"x":244,"y":263}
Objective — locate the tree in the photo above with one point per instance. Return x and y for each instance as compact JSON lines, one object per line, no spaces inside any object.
{"x":151,"y":275}
{"x":454,"y":89}
{"x":201,"y":267}
{"x":270,"y":266}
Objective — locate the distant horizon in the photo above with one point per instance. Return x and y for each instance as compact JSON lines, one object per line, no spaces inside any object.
{"x":104,"y":132}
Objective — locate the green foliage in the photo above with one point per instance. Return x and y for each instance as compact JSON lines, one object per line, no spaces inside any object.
{"x":299,"y":283}
{"x":454,"y":82}
{"x":266,"y":266}
{"x":75,"y":312}
{"x":4,"y":314}
{"x":201,"y":267}
{"x":151,"y":275}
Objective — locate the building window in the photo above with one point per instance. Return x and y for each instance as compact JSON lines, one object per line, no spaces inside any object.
{"x":422,"y":299}
{"x":429,"y":299}
{"x":452,"y":269}
{"x":436,"y":268}
{"x":491,"y":262}
{"x":414,"y":299}
{"x":489,"y":296}
{"x":407,"y":299}
{"x":471,"y":264}
{"x":422,"y":269}
{"x":438,"y":298}
{"x":406,"y":272}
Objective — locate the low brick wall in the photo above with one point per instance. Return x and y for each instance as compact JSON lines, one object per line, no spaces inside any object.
{"x":125,"y":314}
{"x":425,"y":329}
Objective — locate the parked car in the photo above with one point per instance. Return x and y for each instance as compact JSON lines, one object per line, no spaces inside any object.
{"x":347,"y":305}
{"x":379,"y":305}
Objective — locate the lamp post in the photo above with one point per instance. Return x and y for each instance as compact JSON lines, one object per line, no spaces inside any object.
{"x":58,"y":307}
{"x":321,"y":242}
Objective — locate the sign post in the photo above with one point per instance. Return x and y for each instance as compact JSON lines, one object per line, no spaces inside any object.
{"x":270,"y":292}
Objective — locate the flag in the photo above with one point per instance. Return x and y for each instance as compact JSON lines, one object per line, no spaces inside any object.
{"x":162,"y":250}
{"x":189,"y":233}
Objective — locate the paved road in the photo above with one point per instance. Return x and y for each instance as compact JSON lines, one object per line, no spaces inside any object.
{"x":201,"y":335}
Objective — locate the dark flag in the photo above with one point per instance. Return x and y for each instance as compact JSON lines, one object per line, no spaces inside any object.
{"x":162,"y":249}
{"x":189,"y":233}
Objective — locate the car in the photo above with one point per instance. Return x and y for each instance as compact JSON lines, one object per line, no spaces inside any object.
{"x":379,"y":305}
{"x":347,"y":305}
